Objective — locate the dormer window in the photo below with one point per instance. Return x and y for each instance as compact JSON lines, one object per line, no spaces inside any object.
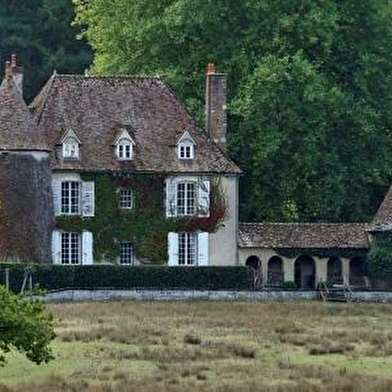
{"x":70,"y":148}
{"x":124,"y":149}
{"x":186,"y":147}
{"x":70,"y":145}
{"x":185,"y":151}
{"x":124,"y":146}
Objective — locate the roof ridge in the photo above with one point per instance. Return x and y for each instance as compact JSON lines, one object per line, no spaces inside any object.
{"x":80,"y":76}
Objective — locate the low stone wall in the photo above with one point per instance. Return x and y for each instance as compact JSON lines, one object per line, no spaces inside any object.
{"x":372,"y":296}
{"x":193,"y":295}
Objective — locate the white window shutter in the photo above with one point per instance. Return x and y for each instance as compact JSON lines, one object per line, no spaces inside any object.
{"x":88,"y":198}
{"x":204,"y":198}
{"x":202,"y":249}
{"x":56,"y":190}
{"x":171,"y":209}
{"x":87,"y":247}
{"x":173,"y":249}
{"x":56,"y":247}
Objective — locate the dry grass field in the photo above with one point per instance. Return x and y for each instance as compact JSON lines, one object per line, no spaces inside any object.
{"x":212,"y":346}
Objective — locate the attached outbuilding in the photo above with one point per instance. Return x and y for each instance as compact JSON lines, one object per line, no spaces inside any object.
{"x":305,"y":253}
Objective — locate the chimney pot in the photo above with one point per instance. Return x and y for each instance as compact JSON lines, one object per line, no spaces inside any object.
{"x":13,"y":60}
{"x":211,"y":69}
{"x":7,"y":68}
{"x":12,"y":69}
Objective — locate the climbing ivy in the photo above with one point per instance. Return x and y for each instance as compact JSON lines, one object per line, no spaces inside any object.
{"x":379,"y":259}
{"x":145,"y":224}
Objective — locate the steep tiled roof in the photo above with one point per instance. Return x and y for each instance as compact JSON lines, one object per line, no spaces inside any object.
{"x":303,"y":235}
{"x":98,"y":107}
{"x":18,"y":130}
{"x":383,"y":218}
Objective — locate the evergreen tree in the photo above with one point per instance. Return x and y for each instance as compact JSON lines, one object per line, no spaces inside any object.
{"x":40,"y":33}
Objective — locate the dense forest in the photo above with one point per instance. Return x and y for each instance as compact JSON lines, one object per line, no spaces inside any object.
{"x":310,"y":85}
{"x":40,"y":33}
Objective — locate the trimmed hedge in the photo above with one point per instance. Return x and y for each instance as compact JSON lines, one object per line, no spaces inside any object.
{"x":54,"y":277}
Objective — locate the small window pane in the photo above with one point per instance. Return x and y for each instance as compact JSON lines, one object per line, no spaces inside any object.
{"x":70,"y":197}
{"x":71,"y":148}
{"x":187,"y":249}
{"x":125,"y":149}
{"x":126,"y":253}
{"x":70,"y":248}
{"x":186,"y":198}
{"x":126,"y":198}
{"x":185,"y":151}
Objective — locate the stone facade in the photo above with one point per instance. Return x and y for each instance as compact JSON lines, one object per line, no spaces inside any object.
{"x":26,"y":208}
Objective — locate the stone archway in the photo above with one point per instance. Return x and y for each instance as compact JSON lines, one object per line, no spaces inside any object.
{"x":254,"y":268}
{"x":275,"y":271}
{"x":253,"y":261}
{"x":334,"y":271}
{"x":305,"y":272}
{"x":357,"y":272}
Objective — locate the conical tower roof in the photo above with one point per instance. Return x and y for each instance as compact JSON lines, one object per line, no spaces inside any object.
{"x":18,"y":130}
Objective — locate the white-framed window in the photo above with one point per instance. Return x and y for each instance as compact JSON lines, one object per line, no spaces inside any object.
{"x":126,"y":253}
{"x":73,"y":197}
{"x":71,"y":148}
{"x":71,"y":248}
{"x":124,"y":149}
{"x":186,"y":146}
{"x":70,"y":198}
{"x":185,"y":150}
{"x":186,"y":198}
{"x":125,"y":200}
{"x":186,"y":249}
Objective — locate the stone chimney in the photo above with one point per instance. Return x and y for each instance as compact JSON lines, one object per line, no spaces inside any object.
{"x":216,"y":108}
{"x":12,"y":69}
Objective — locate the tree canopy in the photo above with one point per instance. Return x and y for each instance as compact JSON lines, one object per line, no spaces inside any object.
{"x":24,"y":326}
{"x":310,"y":90}
{"x":40,"y":33}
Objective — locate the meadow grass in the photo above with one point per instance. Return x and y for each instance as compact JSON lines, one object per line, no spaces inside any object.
{"x":212,"y":346}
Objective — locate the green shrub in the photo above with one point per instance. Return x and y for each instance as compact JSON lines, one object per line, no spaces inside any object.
{"x":289,"y":285}
{"x":52,"y":277}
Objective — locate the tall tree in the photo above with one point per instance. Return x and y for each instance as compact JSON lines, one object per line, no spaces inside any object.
{"x":310,"y":90}
{"x":40,"y":33}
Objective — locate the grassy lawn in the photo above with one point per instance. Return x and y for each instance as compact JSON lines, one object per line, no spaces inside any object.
{"x":212,"y":346}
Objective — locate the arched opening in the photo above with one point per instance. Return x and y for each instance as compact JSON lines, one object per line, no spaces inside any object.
{"x":253,"y":263}
{"x":334,"y":271}
{"x":357,"y":272}
{"x":275,"y":271}
{"x":304,"y":272}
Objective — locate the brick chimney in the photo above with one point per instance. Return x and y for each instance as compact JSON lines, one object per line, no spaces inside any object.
{"x":16,"y":71}
{"x":216,"y":116}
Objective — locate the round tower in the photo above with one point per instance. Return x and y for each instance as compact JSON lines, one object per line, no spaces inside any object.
{"x":26,"y":206}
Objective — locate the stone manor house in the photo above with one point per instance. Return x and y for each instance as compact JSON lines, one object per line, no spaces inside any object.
{"x":82,"y":128}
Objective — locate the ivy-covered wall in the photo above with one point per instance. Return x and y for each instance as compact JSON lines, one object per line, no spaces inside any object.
{"x":145,"y":224}
{"x":379,"y":259}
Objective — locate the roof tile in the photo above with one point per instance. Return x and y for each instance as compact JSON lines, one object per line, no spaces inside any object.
{"x":303,"y":235}
{"x":18,"y":130}
{"x":98,"y":107}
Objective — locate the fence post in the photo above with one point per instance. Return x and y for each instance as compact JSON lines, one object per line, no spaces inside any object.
{"x":7,"y":279}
